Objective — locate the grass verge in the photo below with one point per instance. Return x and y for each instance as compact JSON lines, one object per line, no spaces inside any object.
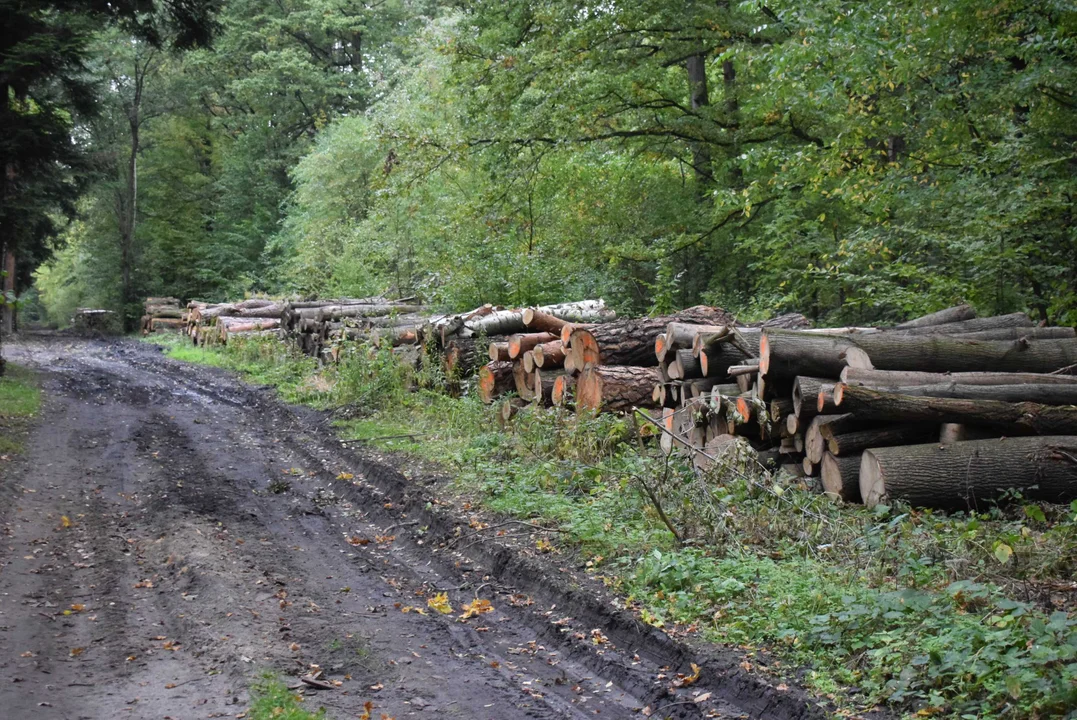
{"x":20,"y":400}
{"x":934,"y":615}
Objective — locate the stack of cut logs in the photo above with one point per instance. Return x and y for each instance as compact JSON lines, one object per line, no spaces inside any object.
{"x":162,"y":313}
{"x":94,"y":320}
{"x":948,"y":410}
{"x":214,"y":324}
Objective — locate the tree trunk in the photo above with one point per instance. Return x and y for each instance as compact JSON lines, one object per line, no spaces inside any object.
{"x":615,"y":388}
{"x":631,"y":342}
{"x":970,"y":474}
{"x":8,"y":308}
{"x":949,"y":315}
{"x":882,"y":379}
{"x":696,"y":67}
{"x":787,"y":353}
{"x":495,"y":379}
{"x":841,"y":477}
{"x":1019,"y":417}
{"x":853,"y":443}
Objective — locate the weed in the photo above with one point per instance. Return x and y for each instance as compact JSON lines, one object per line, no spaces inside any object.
{"x":271,"y":700}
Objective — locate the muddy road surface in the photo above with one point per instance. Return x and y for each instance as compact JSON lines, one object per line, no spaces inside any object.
{"x":170,"y":533}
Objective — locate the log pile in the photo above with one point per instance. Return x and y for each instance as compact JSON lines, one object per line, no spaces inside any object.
{"x":162,"y":314}
{"x":950,"y":410}
{"x":214,"y":324}
{"x":94,"y":320}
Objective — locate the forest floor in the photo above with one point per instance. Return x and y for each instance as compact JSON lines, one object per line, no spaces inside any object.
{"x":171,"y":535}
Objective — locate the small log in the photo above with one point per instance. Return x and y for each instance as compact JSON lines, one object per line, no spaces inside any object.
{"x":499,"y":352}
{"x":1044,"y":394}
{"x":841,"y":477}
{"x":966,"y":475}
{"x":549,"y":355}
{"x":564,"y":388}
{"x":528,"y":361}
{"x":523,"y":381}
{"x":824,"y":401}
{"x":521,"y":343}
{"x":805,"y":393}
{"x":815,"y":440}
{"x":542,"y":384}
{"x":615,"y":388}
{"x":681,"y":335}
{"x":684,"y":366}
{"x":495,"y":379}
{"x":780,"y":407}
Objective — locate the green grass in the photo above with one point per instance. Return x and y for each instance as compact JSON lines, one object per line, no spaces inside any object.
{"x":20,"y":400}
{"x":272,"y":700}
{"x":931,"y":614}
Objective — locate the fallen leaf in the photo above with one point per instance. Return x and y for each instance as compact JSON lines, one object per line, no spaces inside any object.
{"x":169,"y":686}
{"x":356,"y":540}
{"x":78,"y":607}
{"x":144,"y":584}
{"x":27,"y":654}
{"x":75,"y":652}
{"x":410,"y":609}
{"x":294,"y":647}
{"x":475,"y":608}
{"x":66,"y":521}
{"x":703,"y":698}
{"x":345,"y":476}
{"x":440,"y":602}
{"x":383,"y":539}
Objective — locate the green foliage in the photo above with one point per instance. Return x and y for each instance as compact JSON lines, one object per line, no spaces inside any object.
{"x":20,"y":400}
{"x":271,"y":700}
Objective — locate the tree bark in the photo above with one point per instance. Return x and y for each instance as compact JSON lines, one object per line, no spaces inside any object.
{"x":683,"y":335}
{"x":615,"y":388}
{"x":1019,"y":417}
{"x":949,"y":315}
{"x":505,"y":322}
{"x":499,"y":352}
{"x":967,"y":475}
{"x":841,"y":477}
{"x":684,"y":366}
{"x":1016,"y":333}
{"x":1045,"y":394}
{"x":821,"y":427}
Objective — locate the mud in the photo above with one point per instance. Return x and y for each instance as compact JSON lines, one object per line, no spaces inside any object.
{"x":170,"y":533}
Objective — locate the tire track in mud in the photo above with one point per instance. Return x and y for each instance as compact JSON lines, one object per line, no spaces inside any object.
{"x":245,"y":577}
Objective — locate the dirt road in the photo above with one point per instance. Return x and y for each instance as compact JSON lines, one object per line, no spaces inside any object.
{"x":170,"y":533}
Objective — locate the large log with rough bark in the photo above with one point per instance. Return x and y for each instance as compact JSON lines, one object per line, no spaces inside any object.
{"x":971,"y":474}
{"x":495,"y":379}
{"x":631,"y":342}
{"x":995,"y":322}
{"x":1016,"y":333}
{"x":615,"y":388}
{"x":949,"y":315}
{"x":1047,"y":394}
{"x":788,"y":353}
{"x":1015,"y":417}
{"x":885,"y":379}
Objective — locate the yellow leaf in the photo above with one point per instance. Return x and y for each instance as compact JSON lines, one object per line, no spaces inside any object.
{"x":345,"y":476}
{"x":65,"y":521}
{"x":475,"y":608}
{"x":440,"y":602}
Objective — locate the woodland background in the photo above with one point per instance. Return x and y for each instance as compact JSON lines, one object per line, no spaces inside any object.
{"x":855,"y":161}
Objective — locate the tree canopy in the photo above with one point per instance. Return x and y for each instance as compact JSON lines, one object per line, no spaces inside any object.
{"x":855,"y":161}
